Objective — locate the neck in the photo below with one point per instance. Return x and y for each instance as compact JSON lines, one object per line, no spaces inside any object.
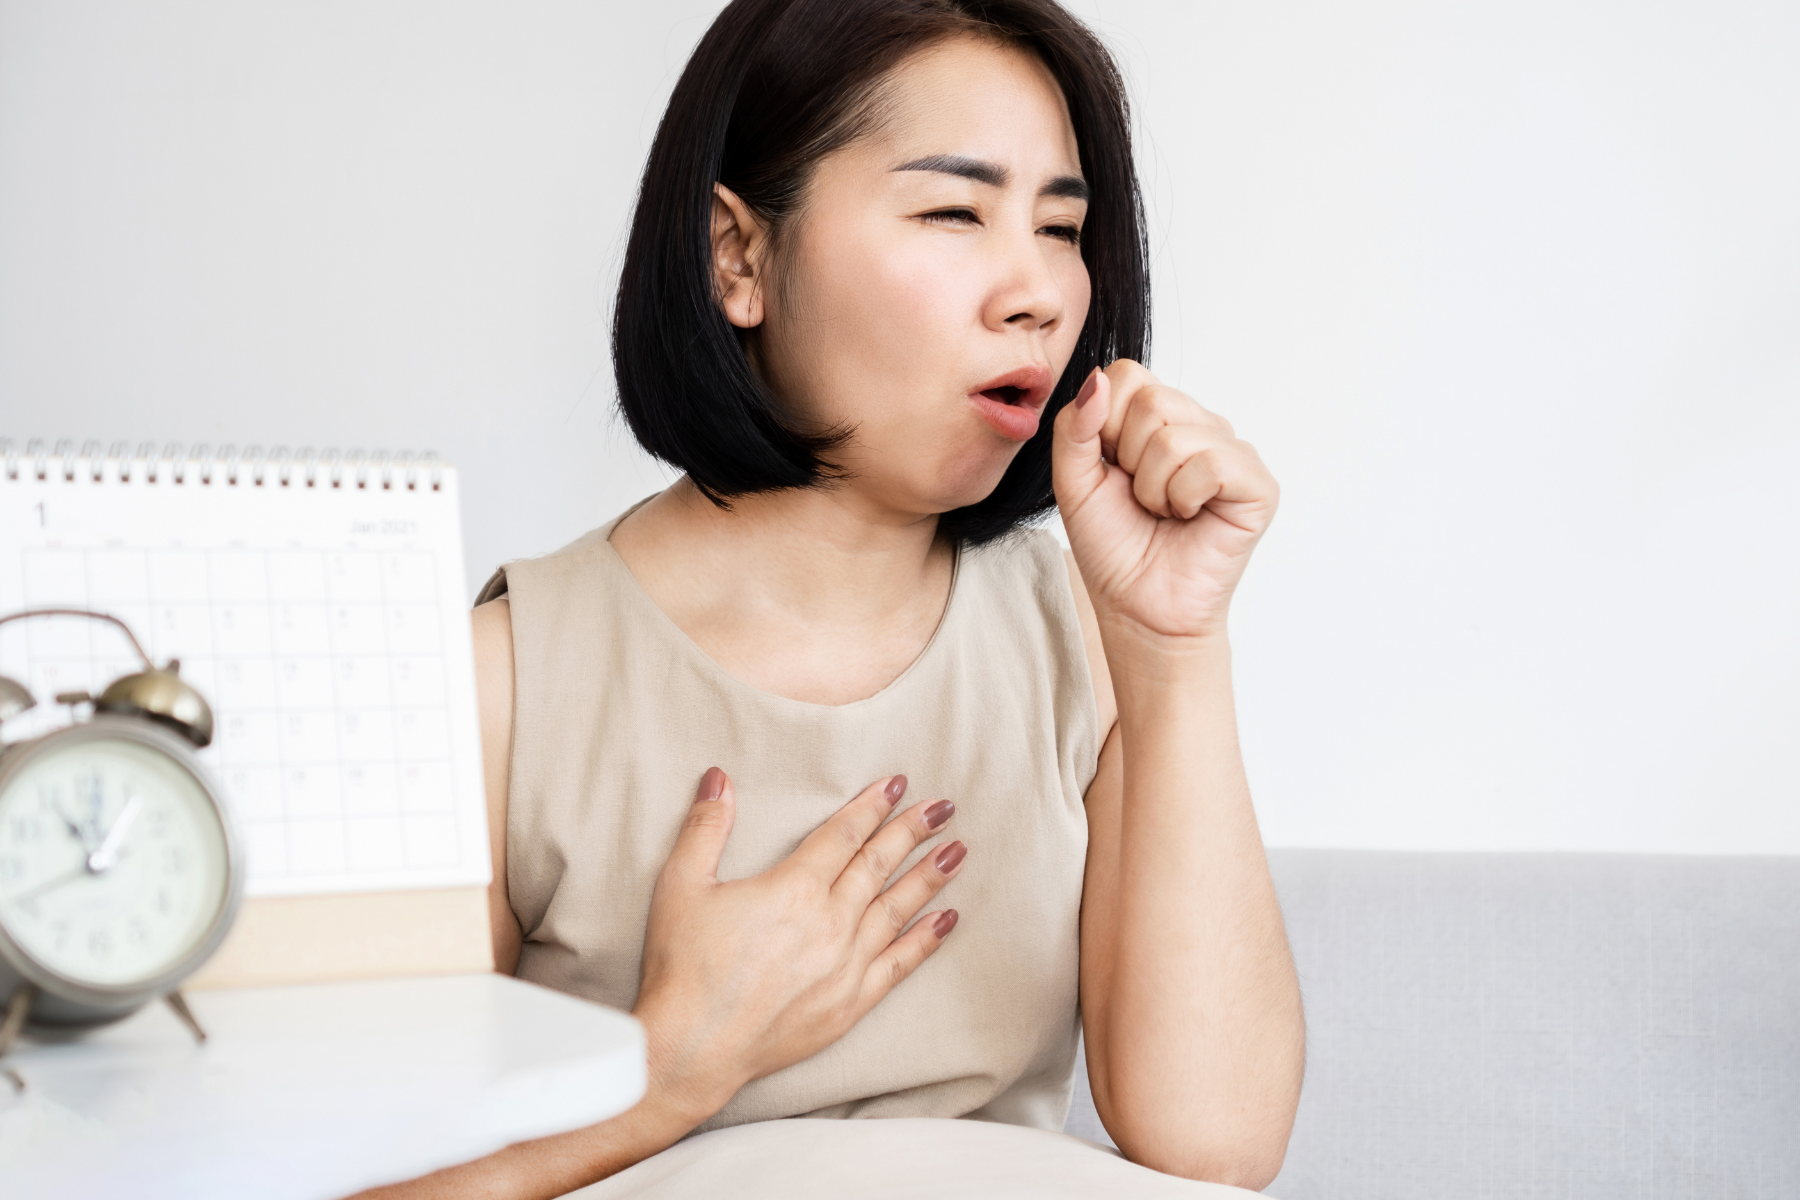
{"x":808,"y":549}
{"x":821,"y":594}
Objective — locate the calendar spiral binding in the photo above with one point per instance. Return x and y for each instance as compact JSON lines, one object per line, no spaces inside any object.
{"x":227,"y":466}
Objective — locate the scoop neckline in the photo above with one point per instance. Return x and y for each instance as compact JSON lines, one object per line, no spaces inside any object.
{"x":711,"y":665}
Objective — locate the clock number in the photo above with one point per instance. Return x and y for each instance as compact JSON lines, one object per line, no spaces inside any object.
{"x":12,"y":868}
{"x":100,"y":943}
{"x":43,"y":517}
{"x":173,"y":861}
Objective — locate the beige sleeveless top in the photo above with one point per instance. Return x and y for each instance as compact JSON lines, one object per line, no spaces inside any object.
{"x":617,"y":714}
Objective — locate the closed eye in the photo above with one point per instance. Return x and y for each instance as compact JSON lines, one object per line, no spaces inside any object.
{"x":952,"y":216}
{"x":966,"y":216}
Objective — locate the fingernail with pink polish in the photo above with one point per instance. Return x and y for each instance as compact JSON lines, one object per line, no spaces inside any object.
{"x":712,"y":785}
{"x":945,"y":923}
{"x":1089,"y":388}
{"x":937,"y":814}
{"x":895,"y":789}
{"x":950,"y":857}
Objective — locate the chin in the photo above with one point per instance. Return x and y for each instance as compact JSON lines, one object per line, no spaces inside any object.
{"x":970,"y":480}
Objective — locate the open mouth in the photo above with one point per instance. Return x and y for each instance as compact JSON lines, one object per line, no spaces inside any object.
{"x":1013,"y":402}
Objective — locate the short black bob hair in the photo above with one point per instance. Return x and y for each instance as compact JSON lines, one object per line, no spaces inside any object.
{"x":774,"y":86}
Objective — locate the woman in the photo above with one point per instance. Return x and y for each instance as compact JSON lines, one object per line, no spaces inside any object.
{"x":740,"y":739}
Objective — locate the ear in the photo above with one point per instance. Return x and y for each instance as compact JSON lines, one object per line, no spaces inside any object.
{"x":739,"y":244}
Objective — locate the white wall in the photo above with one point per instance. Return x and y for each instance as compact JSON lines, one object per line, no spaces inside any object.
{"x":1506,"y":292}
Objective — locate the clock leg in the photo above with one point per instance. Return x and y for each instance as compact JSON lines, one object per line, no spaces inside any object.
{"x":179,"y":1005}
{"x":16,"y":1008}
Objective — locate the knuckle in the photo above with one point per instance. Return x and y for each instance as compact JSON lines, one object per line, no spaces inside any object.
{"x":1130,"y":369}
{"x":877,"y":861}
{"x":1202,"y":415}
{"x":707,"y":817}
{"x":848,"y":836}
{"x":1170,"y":439}
{"x":1131,"y":383}
{"x":1193,"y":487}
{"x":862,"y":875}
{"x":898,"y":968}
{"x":1142,"y":411}
{"x":1166,"y":402}
{"x":893,"y":913}
{"x":1196,"y":438}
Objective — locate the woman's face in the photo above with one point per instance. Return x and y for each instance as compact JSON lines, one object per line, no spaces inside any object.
{"x":929,"y":293}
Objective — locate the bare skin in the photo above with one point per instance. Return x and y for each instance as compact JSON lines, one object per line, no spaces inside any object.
{"x":1189,"y":1001}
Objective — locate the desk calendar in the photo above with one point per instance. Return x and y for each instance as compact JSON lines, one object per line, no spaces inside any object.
{"x":317,"y":600}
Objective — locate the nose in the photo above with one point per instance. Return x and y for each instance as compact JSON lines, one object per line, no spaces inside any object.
{"x":1027,"y":294}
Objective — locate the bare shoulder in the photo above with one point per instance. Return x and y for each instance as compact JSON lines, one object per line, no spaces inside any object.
{"x":1106,"y":707}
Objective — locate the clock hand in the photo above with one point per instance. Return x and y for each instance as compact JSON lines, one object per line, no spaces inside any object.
{"x":48,"y":884}
{"x":74,"y":828}
{"x":84,"y":870}
{"x":107,"y":853}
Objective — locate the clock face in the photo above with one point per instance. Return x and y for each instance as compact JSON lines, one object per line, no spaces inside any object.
{"x":113,"y":863}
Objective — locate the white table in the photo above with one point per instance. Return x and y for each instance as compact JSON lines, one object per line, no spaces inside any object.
{"x":309,"y":1093}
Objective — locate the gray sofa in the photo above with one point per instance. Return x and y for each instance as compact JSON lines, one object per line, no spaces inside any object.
{"x":1500,"y":1026}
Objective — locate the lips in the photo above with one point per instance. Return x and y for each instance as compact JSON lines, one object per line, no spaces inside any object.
{"x":1012,"y":403}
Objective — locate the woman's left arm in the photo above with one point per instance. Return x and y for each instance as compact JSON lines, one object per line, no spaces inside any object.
{"x":1190,"y":1005}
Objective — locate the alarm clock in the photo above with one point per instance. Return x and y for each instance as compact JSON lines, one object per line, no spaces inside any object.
{"x":120,"y":870}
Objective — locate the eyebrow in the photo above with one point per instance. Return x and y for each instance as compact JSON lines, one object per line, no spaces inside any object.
{"x":1070,"y":187}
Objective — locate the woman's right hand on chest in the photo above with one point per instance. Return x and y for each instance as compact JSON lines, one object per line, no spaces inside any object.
{"x":743,"y":978}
